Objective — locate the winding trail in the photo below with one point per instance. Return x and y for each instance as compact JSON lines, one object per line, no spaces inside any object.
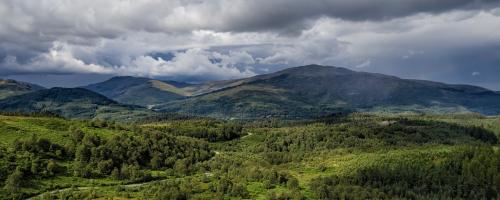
{"x":248,"y":134}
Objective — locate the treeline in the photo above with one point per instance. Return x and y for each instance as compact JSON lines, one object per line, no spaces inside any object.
{"x":32,"y":114}
{"x":208,"y":129}
{"x":402,"y":132}
{"x":470,"y":173}
{"x":288,"y":144}
{"x":167,"y":117}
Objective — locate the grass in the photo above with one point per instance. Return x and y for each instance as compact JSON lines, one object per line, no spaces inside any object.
{"x":55,"y":129}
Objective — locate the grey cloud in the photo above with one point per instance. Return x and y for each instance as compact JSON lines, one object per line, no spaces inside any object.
{"x":251,"y":36}
{"x":268,"y":15}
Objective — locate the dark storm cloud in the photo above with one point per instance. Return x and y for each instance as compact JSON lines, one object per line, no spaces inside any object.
{"x":264,"y":14}
{"x":476,"y":65}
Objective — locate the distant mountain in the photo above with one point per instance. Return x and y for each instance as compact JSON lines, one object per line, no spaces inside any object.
{"x":149,"y":92}
{"x":211,"y":86}
{"x":71,"y":103}
{"x":314,"y":90}
{"x":177,"y":83}
{"x":139,"y":91}
{"x":12,"y":88}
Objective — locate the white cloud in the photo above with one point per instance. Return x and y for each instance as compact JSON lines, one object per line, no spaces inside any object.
{"x":364,"y":64}
{"x":59,"y":59}
{"x":193,"y":63}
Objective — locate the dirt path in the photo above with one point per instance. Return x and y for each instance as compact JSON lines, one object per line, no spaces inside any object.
{"x":248,"y":134}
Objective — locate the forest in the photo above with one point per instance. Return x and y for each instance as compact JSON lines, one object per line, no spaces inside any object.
{"x":353,"y":156}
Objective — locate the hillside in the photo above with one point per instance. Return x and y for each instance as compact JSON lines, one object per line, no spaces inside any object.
{"x":149,"y":92}
{"x":70,"y":103}
{"x":138,"y":91}
{"x":12,"y":88}
{"x":211,"y":86}
{"x":314,"y":90}
{"x":354,"y":156}
{"x":47,"y":154}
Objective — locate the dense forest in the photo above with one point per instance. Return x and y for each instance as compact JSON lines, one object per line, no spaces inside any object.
{"x":469,"y":173}
{"x":121,"y":157}
{"x":356,"y":156}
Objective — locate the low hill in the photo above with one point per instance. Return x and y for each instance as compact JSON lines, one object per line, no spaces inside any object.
{"x":12,"y":88}
{"x":149,"y":92}
{"x":71,"y":103}
{"x":314,"y":90}
{"x":139,"y":91}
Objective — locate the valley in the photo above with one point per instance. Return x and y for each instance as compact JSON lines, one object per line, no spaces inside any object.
{"x":310,"y":132}
{"x":249,"y":99}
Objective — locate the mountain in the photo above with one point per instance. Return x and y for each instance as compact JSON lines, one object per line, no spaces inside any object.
{"x":139,"y":91}
{"x":314,"y":90}
{"x":12,"y":88}
{"x":207,"y":87}
{"x":149,"y":92}
{"x":71,"y":103}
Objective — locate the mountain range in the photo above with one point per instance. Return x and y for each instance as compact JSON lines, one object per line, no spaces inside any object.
{"x":314,"y":90}
{"x":294,"y":93}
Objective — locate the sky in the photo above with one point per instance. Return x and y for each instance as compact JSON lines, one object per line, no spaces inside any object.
{"x":72,"y":43}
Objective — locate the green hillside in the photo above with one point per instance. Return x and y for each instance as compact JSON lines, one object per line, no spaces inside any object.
{"x":149,"y":92}
{"x":40,"y":154}
{"x":356,"y":156}
{"x":137,"y":91}
{"x":312,"y":91}
{"x":71,"y":103}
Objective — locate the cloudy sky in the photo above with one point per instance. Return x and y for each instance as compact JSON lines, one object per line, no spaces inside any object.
{"x":71,"y":42}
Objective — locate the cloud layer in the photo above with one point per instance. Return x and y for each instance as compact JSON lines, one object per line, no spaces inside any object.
{"x":449,"y":40}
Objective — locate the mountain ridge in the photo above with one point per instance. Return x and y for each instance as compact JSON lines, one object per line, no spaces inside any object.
{"x":299,"y":92}
{"x":137,"y":90}
{"x":315,"y":90}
